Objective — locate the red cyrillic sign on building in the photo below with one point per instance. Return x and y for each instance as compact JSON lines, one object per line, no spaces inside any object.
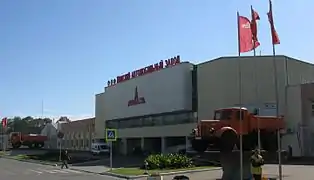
{"x":146,"y":70}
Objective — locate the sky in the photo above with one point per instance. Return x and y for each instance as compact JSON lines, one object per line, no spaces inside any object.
{"x":55,"y":55}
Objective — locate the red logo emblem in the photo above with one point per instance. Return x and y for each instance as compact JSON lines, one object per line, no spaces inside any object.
{"x":137,"y":100}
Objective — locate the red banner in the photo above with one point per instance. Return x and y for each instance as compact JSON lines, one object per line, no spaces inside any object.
{"x":274,"y":35}
{"x":255,"y":17}
{"x":245,"y":35}
{"x":4,"y":122}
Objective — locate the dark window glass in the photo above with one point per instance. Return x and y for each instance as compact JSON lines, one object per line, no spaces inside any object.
{"x":182,"y":118}
{"x":112,"y":124}
{"x":157,"y":121}
{"x":169,"y":120}
{"x":238,"y":115}
{"x":148,"y":121}
{"x":223,"y":115}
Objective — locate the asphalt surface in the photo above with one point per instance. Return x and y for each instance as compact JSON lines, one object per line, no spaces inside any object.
{"x":12,"y":170}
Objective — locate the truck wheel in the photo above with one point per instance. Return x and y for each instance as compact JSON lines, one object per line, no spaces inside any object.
{"x":199,"y":145}
{"x":16,"y":146}
{"x":228,"y":141}
{"x":41,"y":145}
{"x":31,"y":146}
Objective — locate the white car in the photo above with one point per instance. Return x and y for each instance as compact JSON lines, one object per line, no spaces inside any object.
{"x":100,"y":149}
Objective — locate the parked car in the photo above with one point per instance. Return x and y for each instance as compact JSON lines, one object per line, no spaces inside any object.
{"x":100,"y":149}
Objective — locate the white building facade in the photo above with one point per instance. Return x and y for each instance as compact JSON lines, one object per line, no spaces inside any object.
{"x":151,"y":110}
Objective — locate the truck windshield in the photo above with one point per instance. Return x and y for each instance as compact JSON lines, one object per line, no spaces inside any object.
{"x":103,"y":147}
{"x":223,"y":115}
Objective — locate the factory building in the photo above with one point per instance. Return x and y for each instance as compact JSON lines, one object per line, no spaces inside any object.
{"x":156,"y":107}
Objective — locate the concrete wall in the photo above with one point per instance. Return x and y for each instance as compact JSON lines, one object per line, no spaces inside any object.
{"x":293,"y":119}
{"x":218,"y":81}
{"x":167,"y":90}
{"x":100,"y":116}
{"x":218,"y":86}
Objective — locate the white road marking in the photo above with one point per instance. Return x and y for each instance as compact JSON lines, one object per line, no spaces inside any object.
{"x":38,"y":172}
{"x":60,"y":171}
{"x":73,"y":171}
{"x":47,"y":170}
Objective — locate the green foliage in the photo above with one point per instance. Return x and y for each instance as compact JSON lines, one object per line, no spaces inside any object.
{"x":26,"y":125}
{"x":168,"y":161}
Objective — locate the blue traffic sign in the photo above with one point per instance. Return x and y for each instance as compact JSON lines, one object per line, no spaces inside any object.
{"x":111,"y":135}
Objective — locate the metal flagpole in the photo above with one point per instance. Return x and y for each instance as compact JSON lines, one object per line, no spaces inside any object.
{"x":2,"y":136}
{"x":256,"y":86}
{"x":257,"y":99}
{"x":110,"y":155}
{"x":277,"y":112}
{"x":256,"y":96}
{"x":240,"y":100}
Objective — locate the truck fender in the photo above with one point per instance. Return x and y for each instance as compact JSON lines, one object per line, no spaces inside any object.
{"x":224,"y":129}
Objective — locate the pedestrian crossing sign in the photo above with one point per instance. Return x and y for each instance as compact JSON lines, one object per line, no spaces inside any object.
{"x":111,"y":135}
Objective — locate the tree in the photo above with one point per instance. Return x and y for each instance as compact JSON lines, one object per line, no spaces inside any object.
{"x":64,"y":119}
{"x":27,"y":124}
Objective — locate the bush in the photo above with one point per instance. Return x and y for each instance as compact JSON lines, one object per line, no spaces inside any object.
{"x":168,"y":161}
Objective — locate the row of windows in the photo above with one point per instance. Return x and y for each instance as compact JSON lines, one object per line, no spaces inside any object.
{"x":76,"y":143}
{"x":161,"y":120}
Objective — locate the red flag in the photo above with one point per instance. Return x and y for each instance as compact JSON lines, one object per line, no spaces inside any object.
{"x":255,"y":17}
{"x":274,"y":35}
{"x":245,"y":35}
{"x":4,"y":122}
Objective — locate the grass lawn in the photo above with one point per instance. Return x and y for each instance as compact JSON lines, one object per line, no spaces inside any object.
{"x":138,"y":171}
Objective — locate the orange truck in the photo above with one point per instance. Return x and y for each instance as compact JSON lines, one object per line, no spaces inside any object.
{"x":222,"y":133}
{"x":18,"y":139}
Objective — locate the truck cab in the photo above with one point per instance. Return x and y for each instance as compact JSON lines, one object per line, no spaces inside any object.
{"x":228,"y":123}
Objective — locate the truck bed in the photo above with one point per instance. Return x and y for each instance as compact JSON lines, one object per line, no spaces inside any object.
{"x":34,"y":138}
{"x":268,"y":122}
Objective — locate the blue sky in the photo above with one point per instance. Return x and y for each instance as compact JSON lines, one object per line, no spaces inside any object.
{"x":62,"y":52}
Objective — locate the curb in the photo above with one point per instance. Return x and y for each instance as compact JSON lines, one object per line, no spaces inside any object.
{"x":163,"y":174}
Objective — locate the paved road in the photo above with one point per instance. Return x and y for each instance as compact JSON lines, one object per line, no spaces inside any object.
{"x":12,"y":170}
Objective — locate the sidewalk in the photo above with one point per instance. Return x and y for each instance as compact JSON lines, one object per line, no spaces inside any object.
{"x":91,"y":169}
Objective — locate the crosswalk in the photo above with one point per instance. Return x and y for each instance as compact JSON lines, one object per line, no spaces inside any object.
{"x":43,"y":171}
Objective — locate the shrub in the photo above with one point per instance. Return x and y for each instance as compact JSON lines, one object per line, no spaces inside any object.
{"x":168,"y":161}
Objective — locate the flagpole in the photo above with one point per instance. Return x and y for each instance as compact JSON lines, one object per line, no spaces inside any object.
{"x":277,"y":111}
{"x":256,"y":83}
{"x":275,"y":40}
{"x":240,"y":100}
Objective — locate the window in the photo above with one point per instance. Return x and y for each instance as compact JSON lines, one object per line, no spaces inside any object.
{"x":238,"y":115}
{"x":183,"y":118}
{"x":157,"y":121}
{"x":137,"y":122}
{"x":86,"y":142}
{"x":112,"y":124}
{"x":148,"y":121}
{"x":169,"y":120}
{"x":124,"y":123}
{"x":99,"y":141}
{"x":312,"y":108}
{"x":223,"y":115}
